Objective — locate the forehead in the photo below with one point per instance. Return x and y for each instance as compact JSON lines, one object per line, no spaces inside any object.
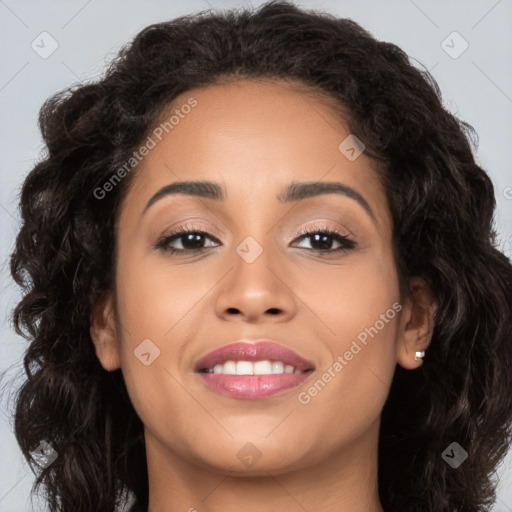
{"x":253,"y":138}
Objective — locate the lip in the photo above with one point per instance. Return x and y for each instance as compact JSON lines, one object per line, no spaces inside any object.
{"x":254,"y":350}
{"x":253,"y":386}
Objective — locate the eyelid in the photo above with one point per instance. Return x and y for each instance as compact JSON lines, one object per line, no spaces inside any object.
{"x":318,"y":225}
{"x":190,"y":224}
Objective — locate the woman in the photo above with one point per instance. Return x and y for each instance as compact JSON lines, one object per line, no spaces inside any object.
{"x":260,"y":273}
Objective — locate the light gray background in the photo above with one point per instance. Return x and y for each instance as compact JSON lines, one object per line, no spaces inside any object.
{"x":476,"y":86}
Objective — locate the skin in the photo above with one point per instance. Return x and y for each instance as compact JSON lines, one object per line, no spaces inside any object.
{"x":254,"y":138}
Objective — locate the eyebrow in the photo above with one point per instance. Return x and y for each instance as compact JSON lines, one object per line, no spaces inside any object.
{"x":295,"y":191}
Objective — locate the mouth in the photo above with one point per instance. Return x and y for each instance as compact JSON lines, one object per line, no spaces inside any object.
{"x":250,"y":370}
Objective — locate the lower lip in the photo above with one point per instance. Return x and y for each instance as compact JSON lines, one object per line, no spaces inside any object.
{"x":253,"y":386}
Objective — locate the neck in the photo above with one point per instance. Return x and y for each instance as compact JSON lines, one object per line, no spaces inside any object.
{"x":344,"y":481}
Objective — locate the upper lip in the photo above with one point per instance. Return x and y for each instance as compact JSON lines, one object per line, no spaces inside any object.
{"x":253,"y":350}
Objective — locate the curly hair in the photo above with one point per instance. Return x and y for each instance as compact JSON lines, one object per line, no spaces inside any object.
{"x":442,"y":205}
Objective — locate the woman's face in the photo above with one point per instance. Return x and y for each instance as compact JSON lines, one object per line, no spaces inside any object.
{"x":256,"y":277}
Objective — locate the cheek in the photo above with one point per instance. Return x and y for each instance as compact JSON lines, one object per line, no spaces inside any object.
{"x":345,"y":299}
{"x":347,"y":394}
{"x":359,"y":306}
{"x":154,"y":297}
{"x":158,"y":306}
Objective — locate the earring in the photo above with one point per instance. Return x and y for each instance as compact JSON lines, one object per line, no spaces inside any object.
{"x":419,"y":355}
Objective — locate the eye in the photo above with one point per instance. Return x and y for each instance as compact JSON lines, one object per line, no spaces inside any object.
{"x":187,"y":240}
{"x":322,"y":238}
{"x":190,"y":239}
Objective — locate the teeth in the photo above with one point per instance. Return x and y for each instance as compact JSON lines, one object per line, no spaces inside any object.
{"x":257,"y":368}
{"x":261,"y":367}
{"x":277,"y":367}
{"x":229,"y":367}
{"x":244,"y":368}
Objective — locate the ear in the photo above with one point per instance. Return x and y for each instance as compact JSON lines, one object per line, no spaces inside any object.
{"x":416,"y":324}
{"x":104,"y":334}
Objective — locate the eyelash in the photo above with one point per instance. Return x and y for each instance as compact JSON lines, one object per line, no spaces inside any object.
{"x":346,"y":244}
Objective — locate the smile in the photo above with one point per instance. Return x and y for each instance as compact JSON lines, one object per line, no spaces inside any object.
{"x":253,"y":370}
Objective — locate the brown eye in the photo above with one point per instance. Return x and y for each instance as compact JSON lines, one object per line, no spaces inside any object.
{"x":191,"y":240}
{"x":322,"y":240}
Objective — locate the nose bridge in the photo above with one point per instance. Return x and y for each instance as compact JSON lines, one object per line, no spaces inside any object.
{"x":255,"y":286}
{"x":252,"y":265}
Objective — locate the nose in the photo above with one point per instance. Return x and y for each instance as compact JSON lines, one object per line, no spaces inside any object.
{"x":256,"y":292}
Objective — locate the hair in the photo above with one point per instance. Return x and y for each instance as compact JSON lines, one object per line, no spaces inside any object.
{"x":442,"y":205}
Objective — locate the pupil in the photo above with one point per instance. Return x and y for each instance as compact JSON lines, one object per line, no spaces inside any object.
{"x":322,"y":238}
{"x":194,"y":240}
